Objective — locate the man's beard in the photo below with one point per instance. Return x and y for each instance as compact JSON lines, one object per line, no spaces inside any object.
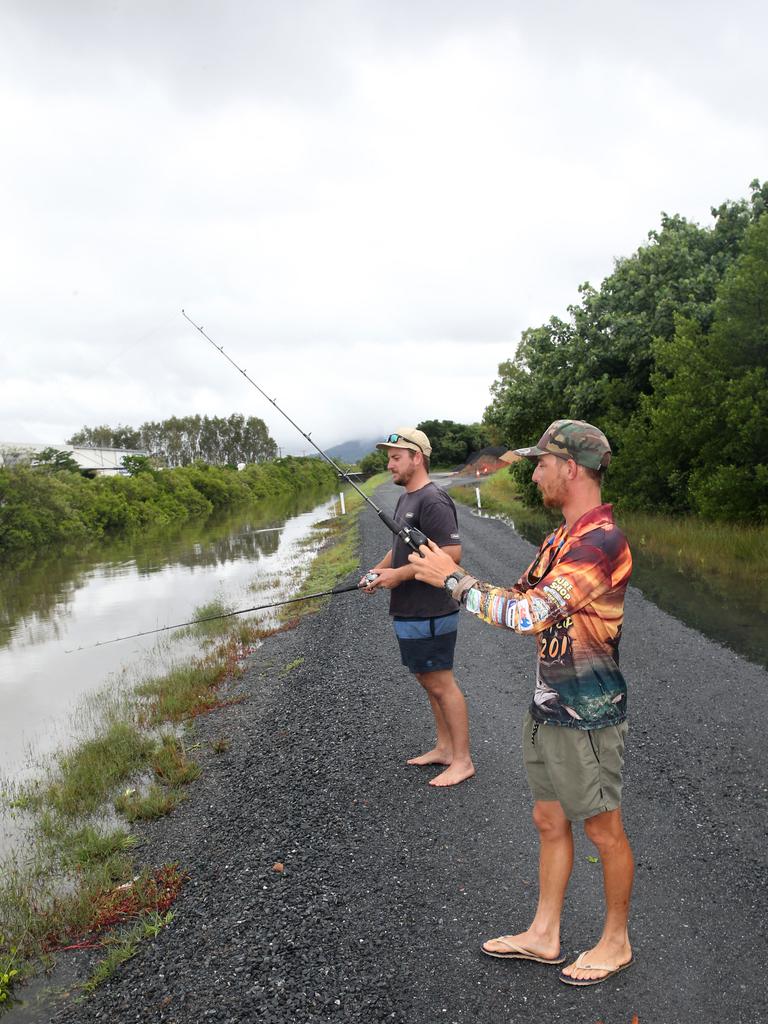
{"x":402,"y":476}
{"x":555,"y":497}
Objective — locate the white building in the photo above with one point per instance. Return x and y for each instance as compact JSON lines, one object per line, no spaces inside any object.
{"x":97,"y":461}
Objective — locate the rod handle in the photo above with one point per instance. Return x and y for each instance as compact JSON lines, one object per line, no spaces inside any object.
{"x":408,"y":534}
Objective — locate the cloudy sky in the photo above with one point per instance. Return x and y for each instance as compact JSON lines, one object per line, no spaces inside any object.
{"x":364,"y":201}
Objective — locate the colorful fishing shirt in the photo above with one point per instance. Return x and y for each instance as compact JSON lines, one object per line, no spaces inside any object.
{"x":571,"y":598}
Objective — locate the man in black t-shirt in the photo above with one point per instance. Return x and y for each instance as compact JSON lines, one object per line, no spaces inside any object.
{"x":426,"y":619}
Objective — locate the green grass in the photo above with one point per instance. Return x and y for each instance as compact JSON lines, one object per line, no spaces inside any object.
{"x":8,"y":970}
{"x":148,"y":805}
{"x":732,"y":553}
{"x":171,"y":764}
{"x":70,"y":854}
{"x":187,"y":690}
{"x":292,"y":665}
{"x":89,"y":773}
{"x":218,"y":626}
{"x":80,"y":847}
{"x":126,"y":945}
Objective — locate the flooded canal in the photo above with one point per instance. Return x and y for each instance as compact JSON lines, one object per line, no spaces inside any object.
{"x":57,"y":604}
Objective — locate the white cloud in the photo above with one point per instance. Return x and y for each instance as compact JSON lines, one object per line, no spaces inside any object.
{"x":366,"y":202}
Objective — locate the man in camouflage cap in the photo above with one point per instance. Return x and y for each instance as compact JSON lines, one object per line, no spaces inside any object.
{"x":571,"y":600}
{"x":569,"y":439}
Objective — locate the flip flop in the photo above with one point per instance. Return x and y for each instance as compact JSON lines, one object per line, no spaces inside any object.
{"x":583,"y":982}
{"x":518,"y":952}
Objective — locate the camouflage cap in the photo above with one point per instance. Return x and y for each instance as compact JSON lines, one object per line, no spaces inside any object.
{"x":568,"y":439}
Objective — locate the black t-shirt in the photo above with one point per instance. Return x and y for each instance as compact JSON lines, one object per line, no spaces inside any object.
{"x":430,"y":510}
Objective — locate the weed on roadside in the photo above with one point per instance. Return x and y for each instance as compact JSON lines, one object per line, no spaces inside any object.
{"x":292,"y":665}
{"x":125,"y":945}
{"x":153,"y":803}
{"x":8,"y":969}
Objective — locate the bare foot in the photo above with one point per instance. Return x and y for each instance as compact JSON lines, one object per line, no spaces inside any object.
{"x":594,"y":965}
{"x":457,"y":772}
{"x":532,"y":942}
{"x":437,"y":755}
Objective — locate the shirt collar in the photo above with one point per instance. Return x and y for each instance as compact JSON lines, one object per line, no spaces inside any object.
{"x":600,"y":515}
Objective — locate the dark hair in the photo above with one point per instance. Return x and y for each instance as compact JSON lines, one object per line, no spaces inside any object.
{"x":597,"y":475}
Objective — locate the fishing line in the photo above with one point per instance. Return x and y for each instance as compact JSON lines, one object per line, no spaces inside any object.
{"x":408,"y":534}
{"x":212,"y":618}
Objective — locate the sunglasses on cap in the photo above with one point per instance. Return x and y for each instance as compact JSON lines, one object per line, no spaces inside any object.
{"x":394,"y":438}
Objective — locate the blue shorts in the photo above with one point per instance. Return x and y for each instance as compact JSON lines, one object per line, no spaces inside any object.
{"x":426,"y":645}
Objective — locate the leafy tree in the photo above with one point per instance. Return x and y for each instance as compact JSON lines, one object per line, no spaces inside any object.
{"x":135,"y":464}
{"x":597,"y":364}
{"x":183,"y":440}
{"x":451,"y":442}
{"x":106,"y":437}
{"x":374,"y":462}
{"x":55,"y":461}
{"x":699,"y":441}
{"x":671,"y":343}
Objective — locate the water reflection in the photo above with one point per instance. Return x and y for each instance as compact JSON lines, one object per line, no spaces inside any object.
{"x":71,"y":602}
{"x":41,"y":587}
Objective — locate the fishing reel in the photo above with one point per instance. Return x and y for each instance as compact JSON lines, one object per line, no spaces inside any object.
{"x":413,"y":538}
{"x":408,"y":534}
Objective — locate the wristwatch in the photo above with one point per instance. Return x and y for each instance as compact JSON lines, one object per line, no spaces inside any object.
{"x":451,"y":582}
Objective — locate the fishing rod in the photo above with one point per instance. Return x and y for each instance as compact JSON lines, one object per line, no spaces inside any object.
{"x":408,"y":534}
{"x":369,"y":577}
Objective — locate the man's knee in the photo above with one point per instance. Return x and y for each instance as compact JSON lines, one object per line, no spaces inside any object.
{"x":606,"y":830}
{"x":550,"y":820}
{"x":436,"y":683}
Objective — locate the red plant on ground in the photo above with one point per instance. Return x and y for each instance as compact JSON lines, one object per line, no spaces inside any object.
{"x":155,"y":891}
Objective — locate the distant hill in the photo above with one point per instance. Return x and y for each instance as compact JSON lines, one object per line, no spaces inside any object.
{"x":352,"y":451}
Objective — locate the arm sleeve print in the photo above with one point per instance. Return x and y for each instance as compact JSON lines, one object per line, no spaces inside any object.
{"x":581,"y":577}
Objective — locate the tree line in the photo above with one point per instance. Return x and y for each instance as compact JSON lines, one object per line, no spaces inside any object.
{"x":41,"y":506}
{"x":452,"y":444}
{"x":669,"y":356}
{"x":184,"y":440}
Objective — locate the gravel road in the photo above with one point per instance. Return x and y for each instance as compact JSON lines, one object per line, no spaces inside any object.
{"x":389,"y":886}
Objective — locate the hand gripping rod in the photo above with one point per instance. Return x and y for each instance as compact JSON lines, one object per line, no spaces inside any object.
{"x":408,"y":534}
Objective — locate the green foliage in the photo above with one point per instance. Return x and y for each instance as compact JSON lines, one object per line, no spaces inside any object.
{"x":154,"y":803}
{"x":669,"y":358}
{"x":126,"y":945}
{"x":55,"y":461}
{"x":39,"y":508}
{"x":107,"y":437}
{"x":452,"y":443}
{"x":171,"y":764}
{"x":184,"y":692}
{"x":89,"y":773}
{"x":374,"y":462}
{"x":8,"y":969}
{"x":699,"y":441}
{"x":135,"y":464}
